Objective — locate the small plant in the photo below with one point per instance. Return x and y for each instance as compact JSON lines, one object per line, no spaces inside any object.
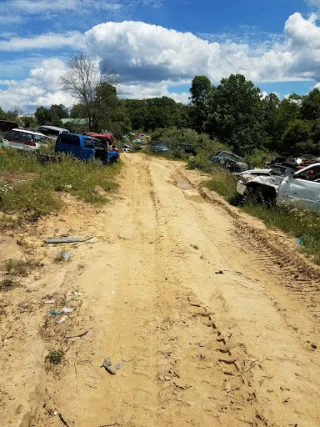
{"x":55,"y":357}
{"x":195,"y":247}
{"x":20,"y":268}
{"x":7,"y":284}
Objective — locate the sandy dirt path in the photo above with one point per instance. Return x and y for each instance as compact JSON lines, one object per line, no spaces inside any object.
{"x":205,"y":324}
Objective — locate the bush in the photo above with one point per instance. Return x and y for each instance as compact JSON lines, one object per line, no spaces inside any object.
{"x":55,"y":357}
{"x":174,"y":138}
{"x":259,"y":158}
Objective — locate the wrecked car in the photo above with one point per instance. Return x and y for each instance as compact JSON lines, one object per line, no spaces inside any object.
{"x":230,"y":161}
{"x":300,"y":187}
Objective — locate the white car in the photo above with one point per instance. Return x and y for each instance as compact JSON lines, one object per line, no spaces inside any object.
{"x":302,"y":188}
{"x":22,"y":139}
{"x":250,"y":175}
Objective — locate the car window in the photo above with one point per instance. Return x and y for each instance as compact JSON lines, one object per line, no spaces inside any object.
{"x":26,"y":137}
{"x":312,"y":174}
{"x":98,"y":143}
{"x":12,"y":134}
{"x":40,"y":138}
{"x":88,"y":143}
{"x":69,"y":139}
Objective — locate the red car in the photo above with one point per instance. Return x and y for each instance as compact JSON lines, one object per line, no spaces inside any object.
{"x":105,"y":138}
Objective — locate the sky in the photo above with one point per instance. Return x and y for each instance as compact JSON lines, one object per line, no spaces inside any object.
{"x":157,"y":46}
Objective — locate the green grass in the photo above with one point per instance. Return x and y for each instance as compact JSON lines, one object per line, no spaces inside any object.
{"x":29,"y":189}
{"x":301,"y":224}
{"x":224,"y":183}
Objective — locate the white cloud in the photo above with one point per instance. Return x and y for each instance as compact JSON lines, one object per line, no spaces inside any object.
{"x":29,"y":7}
{"x":315,"y":3}
{"x":48,"y":7}
{"x":42,"y":87}
{"x":151,"y":90}
{"x":44,"y":41}
{"x":150,"y":58}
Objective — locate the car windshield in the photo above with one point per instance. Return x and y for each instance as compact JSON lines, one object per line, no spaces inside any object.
{"x":231,"y":156}
{"x":41,"y":138}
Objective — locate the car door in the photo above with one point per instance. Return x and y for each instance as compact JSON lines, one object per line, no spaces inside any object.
{"x":87,"y":148}
{"x":302,"y":188}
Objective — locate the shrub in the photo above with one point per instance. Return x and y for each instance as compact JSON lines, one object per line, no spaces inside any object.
{"x":19,"y":267}
{"x":55,"y":357}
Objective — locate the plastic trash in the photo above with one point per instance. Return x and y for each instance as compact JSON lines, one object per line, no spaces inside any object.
{"x":56,"y":313}
{"x":67,"y":310}
{"x":65,"y":240}
{"x":65,"y":255}
{"x":50,"y":302}
{"x":119,"y":365}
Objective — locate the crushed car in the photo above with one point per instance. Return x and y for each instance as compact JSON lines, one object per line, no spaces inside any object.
{"x":300,"y":187}
{"x":230,"y":161}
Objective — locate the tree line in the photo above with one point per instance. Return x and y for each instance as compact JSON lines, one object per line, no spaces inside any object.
{"x":233,"y":112}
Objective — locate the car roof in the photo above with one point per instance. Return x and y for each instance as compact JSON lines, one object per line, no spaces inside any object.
{"x":29,"y":131}
{"x":53,"y":128}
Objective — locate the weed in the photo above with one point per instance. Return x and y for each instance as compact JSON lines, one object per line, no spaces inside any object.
{"x":20,"y":268}
{"x":7,"y":284}
{"x":224,"y":183}
{"x":55,"y":357}
{"x":195,"y":247}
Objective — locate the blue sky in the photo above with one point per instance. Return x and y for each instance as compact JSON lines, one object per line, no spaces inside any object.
{"x":157,"y":46}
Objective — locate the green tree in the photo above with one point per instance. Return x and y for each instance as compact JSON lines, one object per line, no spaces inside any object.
{"x":110,"y":112}
{"x":236,"y":115}
{"x":297,"y":138}
{"x":58,"y":112}
{"x":43,"y":115}
{"x":279,"y":120}
{"x":200,"y":90}
{"x":310,"y":105}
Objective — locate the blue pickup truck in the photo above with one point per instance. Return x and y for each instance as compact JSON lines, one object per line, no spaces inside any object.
{"x":85,"y":148}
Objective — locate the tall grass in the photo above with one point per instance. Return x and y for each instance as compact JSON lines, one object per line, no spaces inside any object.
{"x":224,"y":183}
{"x":302,"y":224}
{"x":30,"y":189}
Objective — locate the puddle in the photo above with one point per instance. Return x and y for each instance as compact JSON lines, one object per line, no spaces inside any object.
{"x":182,"y":183}
{"x":196,"y":198}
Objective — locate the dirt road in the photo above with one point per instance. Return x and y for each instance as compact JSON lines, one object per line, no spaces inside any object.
{"x":210,"y":319}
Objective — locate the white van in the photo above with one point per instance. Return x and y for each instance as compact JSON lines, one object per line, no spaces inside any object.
{"x":52,"y":131}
